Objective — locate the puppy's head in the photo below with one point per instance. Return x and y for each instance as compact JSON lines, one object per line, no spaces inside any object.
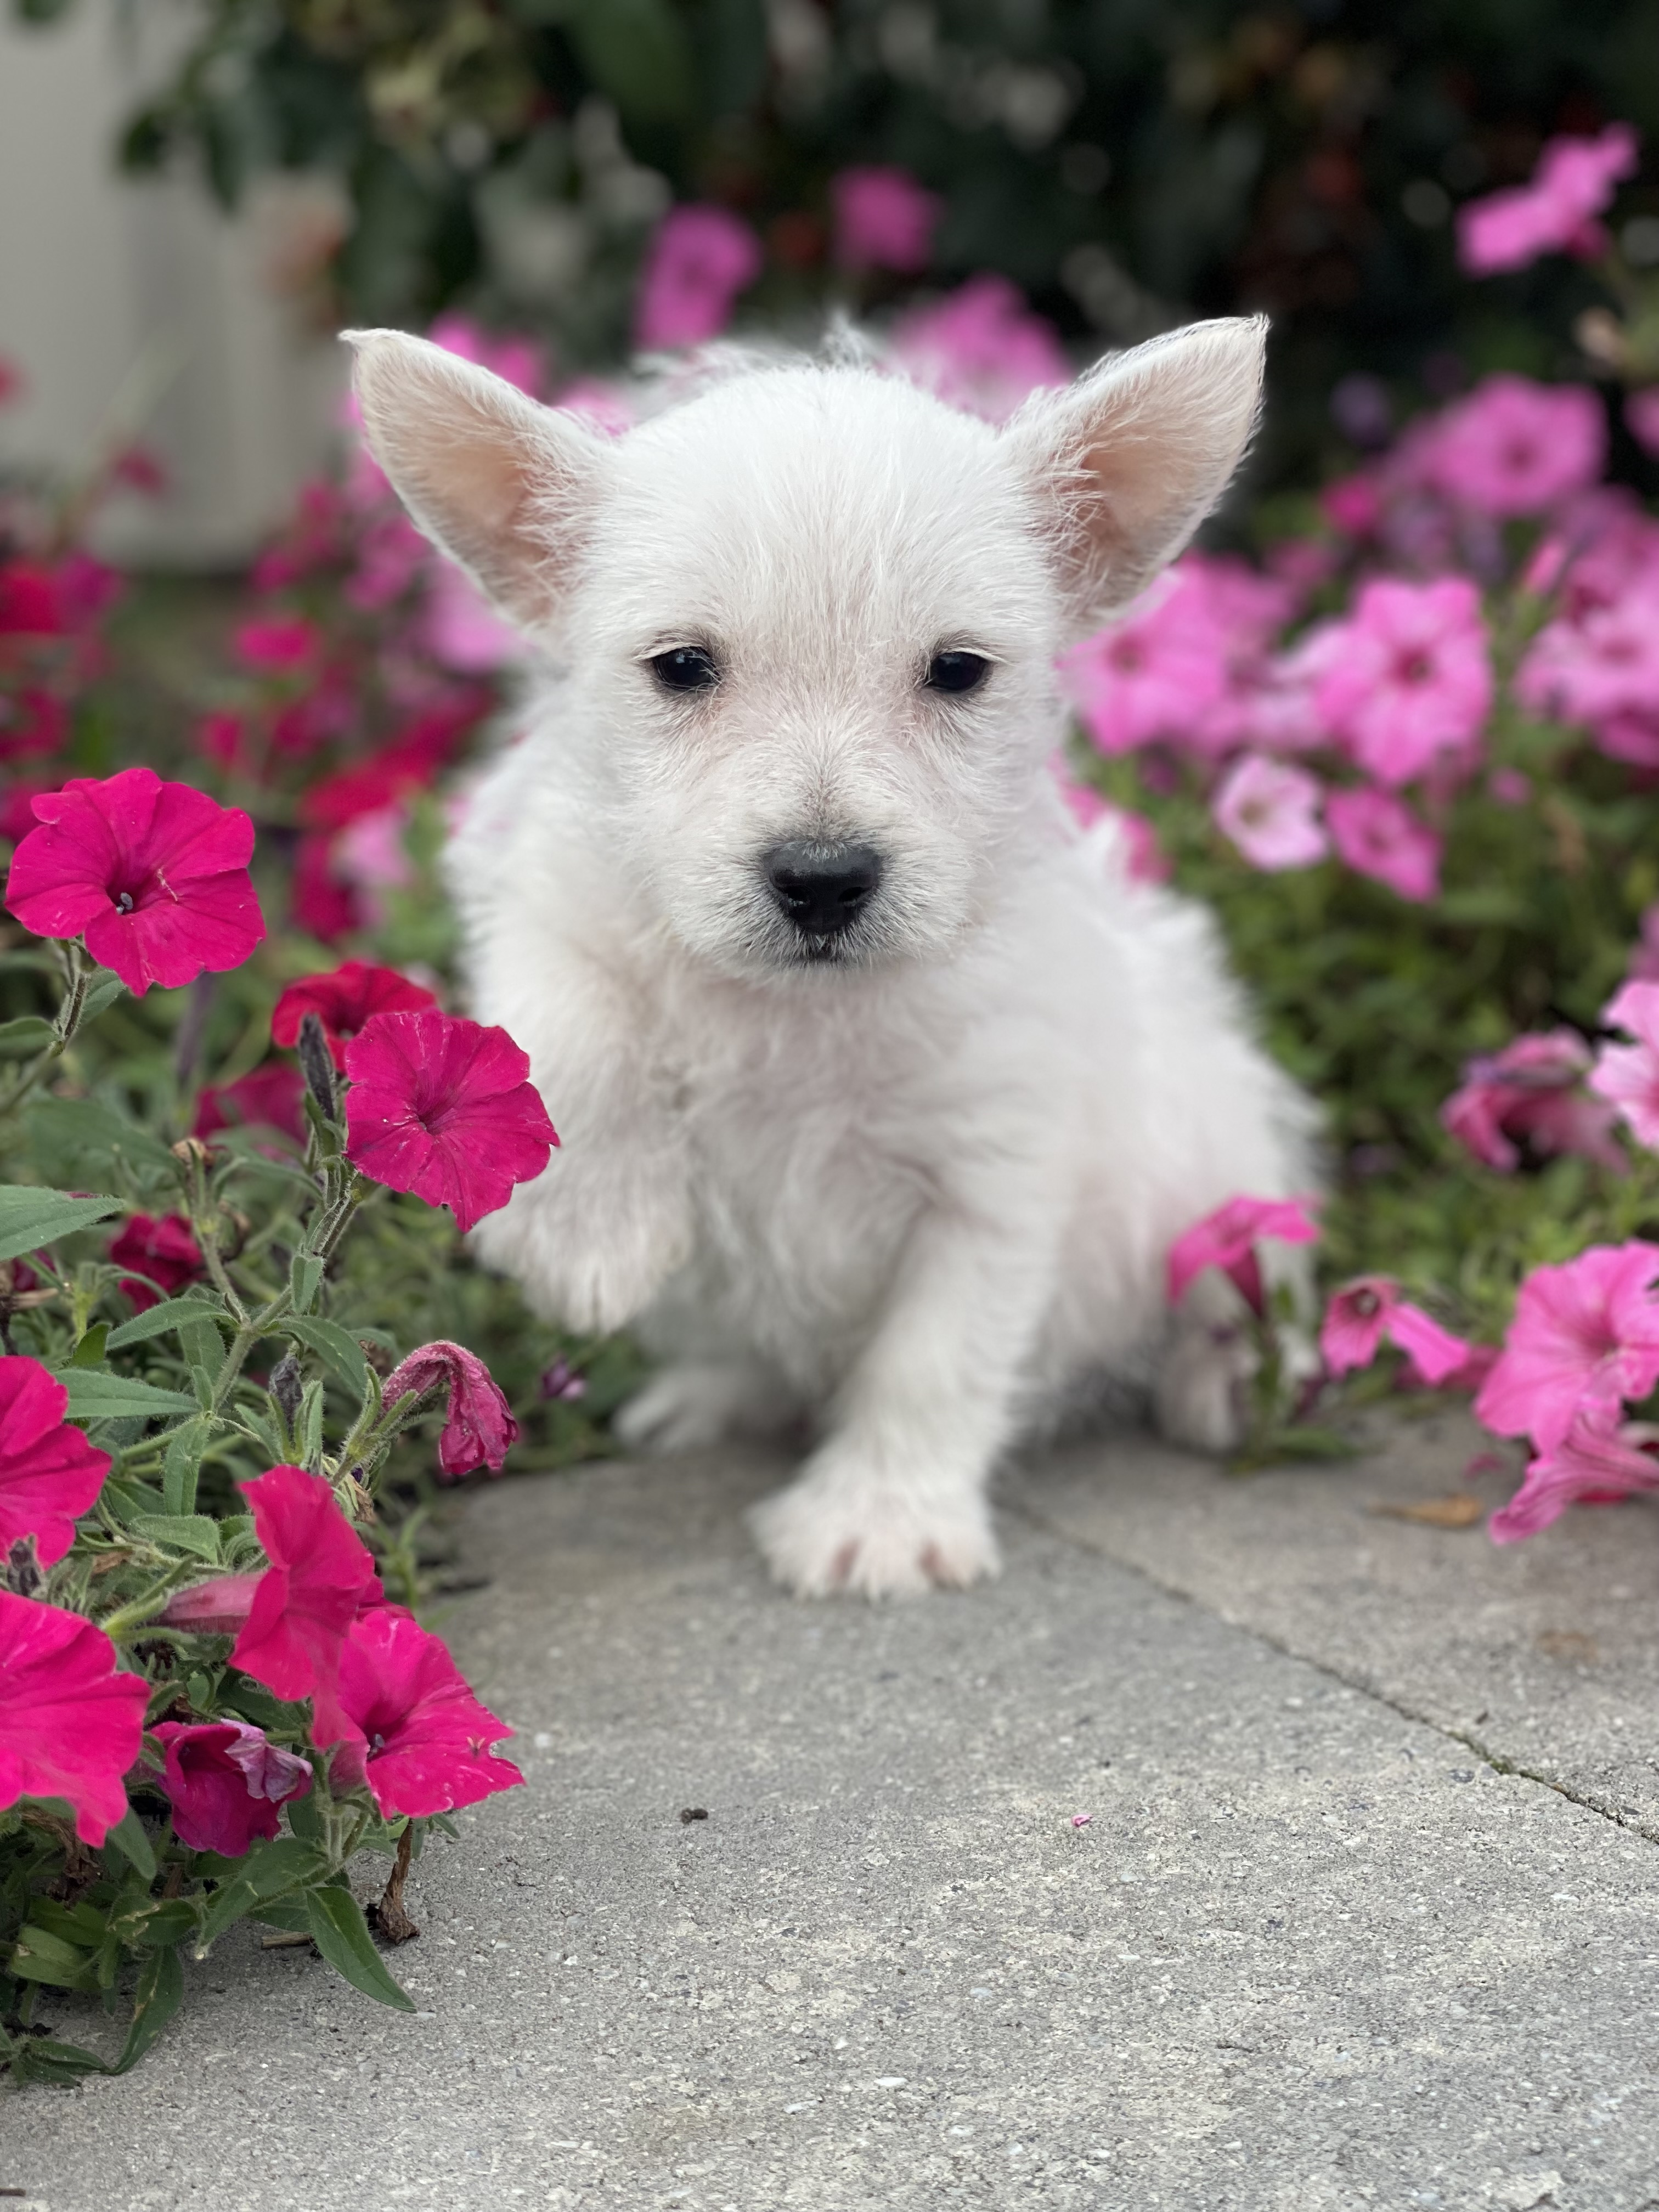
{"x":809,"y":616}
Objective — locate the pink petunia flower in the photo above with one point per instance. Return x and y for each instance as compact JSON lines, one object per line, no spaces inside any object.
{"x":1158,"y":672}
{"x":153,"y":875}
{"x":1599,"y":1460}
{"x":49,"y":1473}
{"x":518,"y":360}
{"x":226,"y":1784}
{"x":277,"y":645}
{"x":1407,"y":681}
{"x":1529,"y":1094}
{"x":883,"y":219}
{"x":407,"y":1725}
{"x":980,"y":348}
{"x":1627,"y":1075}
{"x":268,"y":1099}
{"x":164,"y":1252}
{"x":1642,"y":417}
{"x":343,"y":1000}
{"x":1362,"y":1313}
{"x":1642,"y":966}
{"x":1227,"y":1239}
{"x":445,"y":1108}
{"x":1376,"y":835}
{"x":479,"y":1429}
{"x":699,"y":261}
{"x":1555,"y":212}
{"x":70,"y":1723}
{"x":1585,"y":1335}
{"x":1603,"y":663}
{"x":321,"y":1572}
{"x":462,"y":631}
{"x":1128,"y":836}
{"x":1270,"y":811}
{"x":1516,"y":448}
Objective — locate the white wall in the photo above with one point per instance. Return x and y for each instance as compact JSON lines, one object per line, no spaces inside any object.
{"x":111,"y":287}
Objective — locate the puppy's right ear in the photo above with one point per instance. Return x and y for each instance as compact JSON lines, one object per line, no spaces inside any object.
{"x":503,"y":486}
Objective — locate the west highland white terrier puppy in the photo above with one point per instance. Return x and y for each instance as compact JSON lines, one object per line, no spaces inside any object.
{"x":883,"y":1091}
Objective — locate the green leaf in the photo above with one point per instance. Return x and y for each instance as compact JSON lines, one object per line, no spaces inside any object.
{"x":341,"y":1934}
{"x":81,"y":1924}
{"x":171,"y":1313}
{"x":129,"y":1838}
{"x":104,"y":988}
{"x":182,"y":1464}
{"x":270,"y":1870}
{"x":45,"y":2059}
{"x":336,"y":1346}
{"x":38,"y":1955}
{"x":77,"y":1136}
{"x":637,"y":52}
{"x":160,"y":1993}
{"x":304,"y":1273}
{"x":28,"y":1034}
{"x":32,"y":1218}
{"x":89,"y":1352}
{"x":186,"y":1532}
{"x":167,"y":1920}
{"x":101,"y":1397}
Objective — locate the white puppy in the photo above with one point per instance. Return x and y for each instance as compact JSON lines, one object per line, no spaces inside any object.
{"x":883,"y":1093}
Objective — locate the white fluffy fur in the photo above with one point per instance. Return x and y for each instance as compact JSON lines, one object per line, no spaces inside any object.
{"x":920,"y":1192}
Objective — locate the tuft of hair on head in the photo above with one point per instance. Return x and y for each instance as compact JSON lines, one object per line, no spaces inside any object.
{"x":1127,"y":462}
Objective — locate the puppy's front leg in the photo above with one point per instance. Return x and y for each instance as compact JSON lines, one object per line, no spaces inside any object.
{"x":895,"y":1500}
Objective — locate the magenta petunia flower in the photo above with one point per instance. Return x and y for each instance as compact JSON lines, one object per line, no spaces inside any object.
{"x":883,"y":219}
{"x":1585,"y":1335}
{"x":343,"y":1000}
{"x":1515,"y":448}
{"x":49,"y":1473}
{"x":226,"y":1784}
{"x":271,"y":1098}
{"x":1227,"y":1239}
{"x":444,"y":1107}
{"x":321,"y":1572}
{"x":277,"y":645}
{"x":698,"y":262}
{"x":219,"y":1607}
{"x":1362,"y":1313}
{"x":152,"y":875}
{"x":1270,"y":811}
{"x":164,"y":1254}
{"x":70,"y":1723}
{"x":1529,"y":1094}
{"x":1555,"y":212}
{"x":1406,"y":680}
{"x":479,"y":1429}
{"x":1378,"y":836}
{"x":1627,"y":1075}
{"x":407,"y":1723}
{"x":1598,"y":1461}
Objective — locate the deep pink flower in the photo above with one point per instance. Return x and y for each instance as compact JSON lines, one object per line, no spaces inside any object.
{"x":1377,"y":835}
{"x":479,"y":1429}
{"x":277,"y":645}
{"x":343,"y":1000}
{"x":980,"y":348}
{"x":1642,"y":417}
{"x":1529,"y":1094}
{"x":1555,"y":212}
{"x":320,"y":903}
{"x":699,"y":261}
{"x":270,"y":1098}
{"x":1407,"y":679}
{"x":1516,"y":448}
{"x":226,"y":1784}
{"x":1362,"y":1313}
{"x":49,"y":1473}
{"x":1585,"y":1335}
{"x":883,"y":219}
{"x":71,"y":1725}
{"x":219,"y":1607}
{"x":1228,"y":1237}
{"x":321,"y":1572}
{"x":444,"y":1107}
{"x":406,"y":1723}
{"x":1627,"y":1075}
{"x":164,"y":1252}
{"x":1270,"y":811}
{"x":153,"y":875}
{"x":408,"y":764}
{"x":1598,"y":1461}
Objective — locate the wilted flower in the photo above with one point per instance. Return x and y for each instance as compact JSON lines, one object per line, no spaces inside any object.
{"x":49,"y":1473}
{"x":883,"y":219}
{"x":406,"y":1723}
{"x":1270,"y":811}
{"x":1529,"y":1093}
{"x":1406,"y":680}
{"x":479,"y":1429}
{"x":1362,"y":1313}
{"x":1555,"y":212}
{"x":343,"y":1000}
{"x":1227,"y":1239}
{"x":1585,"y":1335}
{"x":153,"y":875}
{"x":444,"y":1107}
{"x":1378,"y":836}
{"x":321,"y":1572}
{"x":70,"y":1723}
{"x":1627,"y":1075}
{"x":1599,"y":1459}
{"x":699,"y":261}
{"x":227,"y":1782}
{"x":164,"y":1254}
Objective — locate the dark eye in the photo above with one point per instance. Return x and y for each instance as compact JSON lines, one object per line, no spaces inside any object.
{"x":687,"y":668}
{"x":956,"y":671}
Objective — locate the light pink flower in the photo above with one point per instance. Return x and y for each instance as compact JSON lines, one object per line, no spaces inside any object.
{"x":406,"y":1723}
{"x":462,"y":630}
{"x":1603,"y":664}
{"x":699,"y":261}
{"x":883,"y":219}
{"x":1555,"y":212}
{"x":1407,"y":681}
{"x":1598,"y":1461}
{"x":1642,"y":417}
{"x":1157,"y":673}
{"x":49,"y":1473}
{"x":1130,"y":837}
{"x":479,"y":1429}
{"x":518,"y":359}
{"x":1270,"y":811}
{"x":1376,"y":835}
{"x":980,"y":348}
{"x":1516,"y":448}
{"x":606,"y":406}
{"x":70,"y":1723}
{"x":226,"y":1784}
{"x":1362,"y":1313}
{"x":1631,"y":736}
{"x":1627,"y":1075}
{"x":1585,"y":1335}
{"x":1227,"y":1239}
{"x":1529,"y":1094}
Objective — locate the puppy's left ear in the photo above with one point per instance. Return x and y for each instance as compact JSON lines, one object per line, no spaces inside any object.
{"x":1129,"y":460}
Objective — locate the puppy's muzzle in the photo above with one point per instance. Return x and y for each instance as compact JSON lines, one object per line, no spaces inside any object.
{"x":823,"y":888}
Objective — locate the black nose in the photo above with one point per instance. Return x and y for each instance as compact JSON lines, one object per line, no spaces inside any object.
{"x":822,"y":888}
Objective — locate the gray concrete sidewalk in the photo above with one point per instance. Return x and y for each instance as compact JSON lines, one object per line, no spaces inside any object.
{"x":1320,"y":1945}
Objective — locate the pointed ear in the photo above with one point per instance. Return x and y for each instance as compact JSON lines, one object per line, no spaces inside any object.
{"x":1129,"y":460}
{"x":503,"y":486}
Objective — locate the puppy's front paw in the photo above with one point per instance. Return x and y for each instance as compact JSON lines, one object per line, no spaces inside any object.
{"x":1202,"y":1385}
{"x":837,"y":1530}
